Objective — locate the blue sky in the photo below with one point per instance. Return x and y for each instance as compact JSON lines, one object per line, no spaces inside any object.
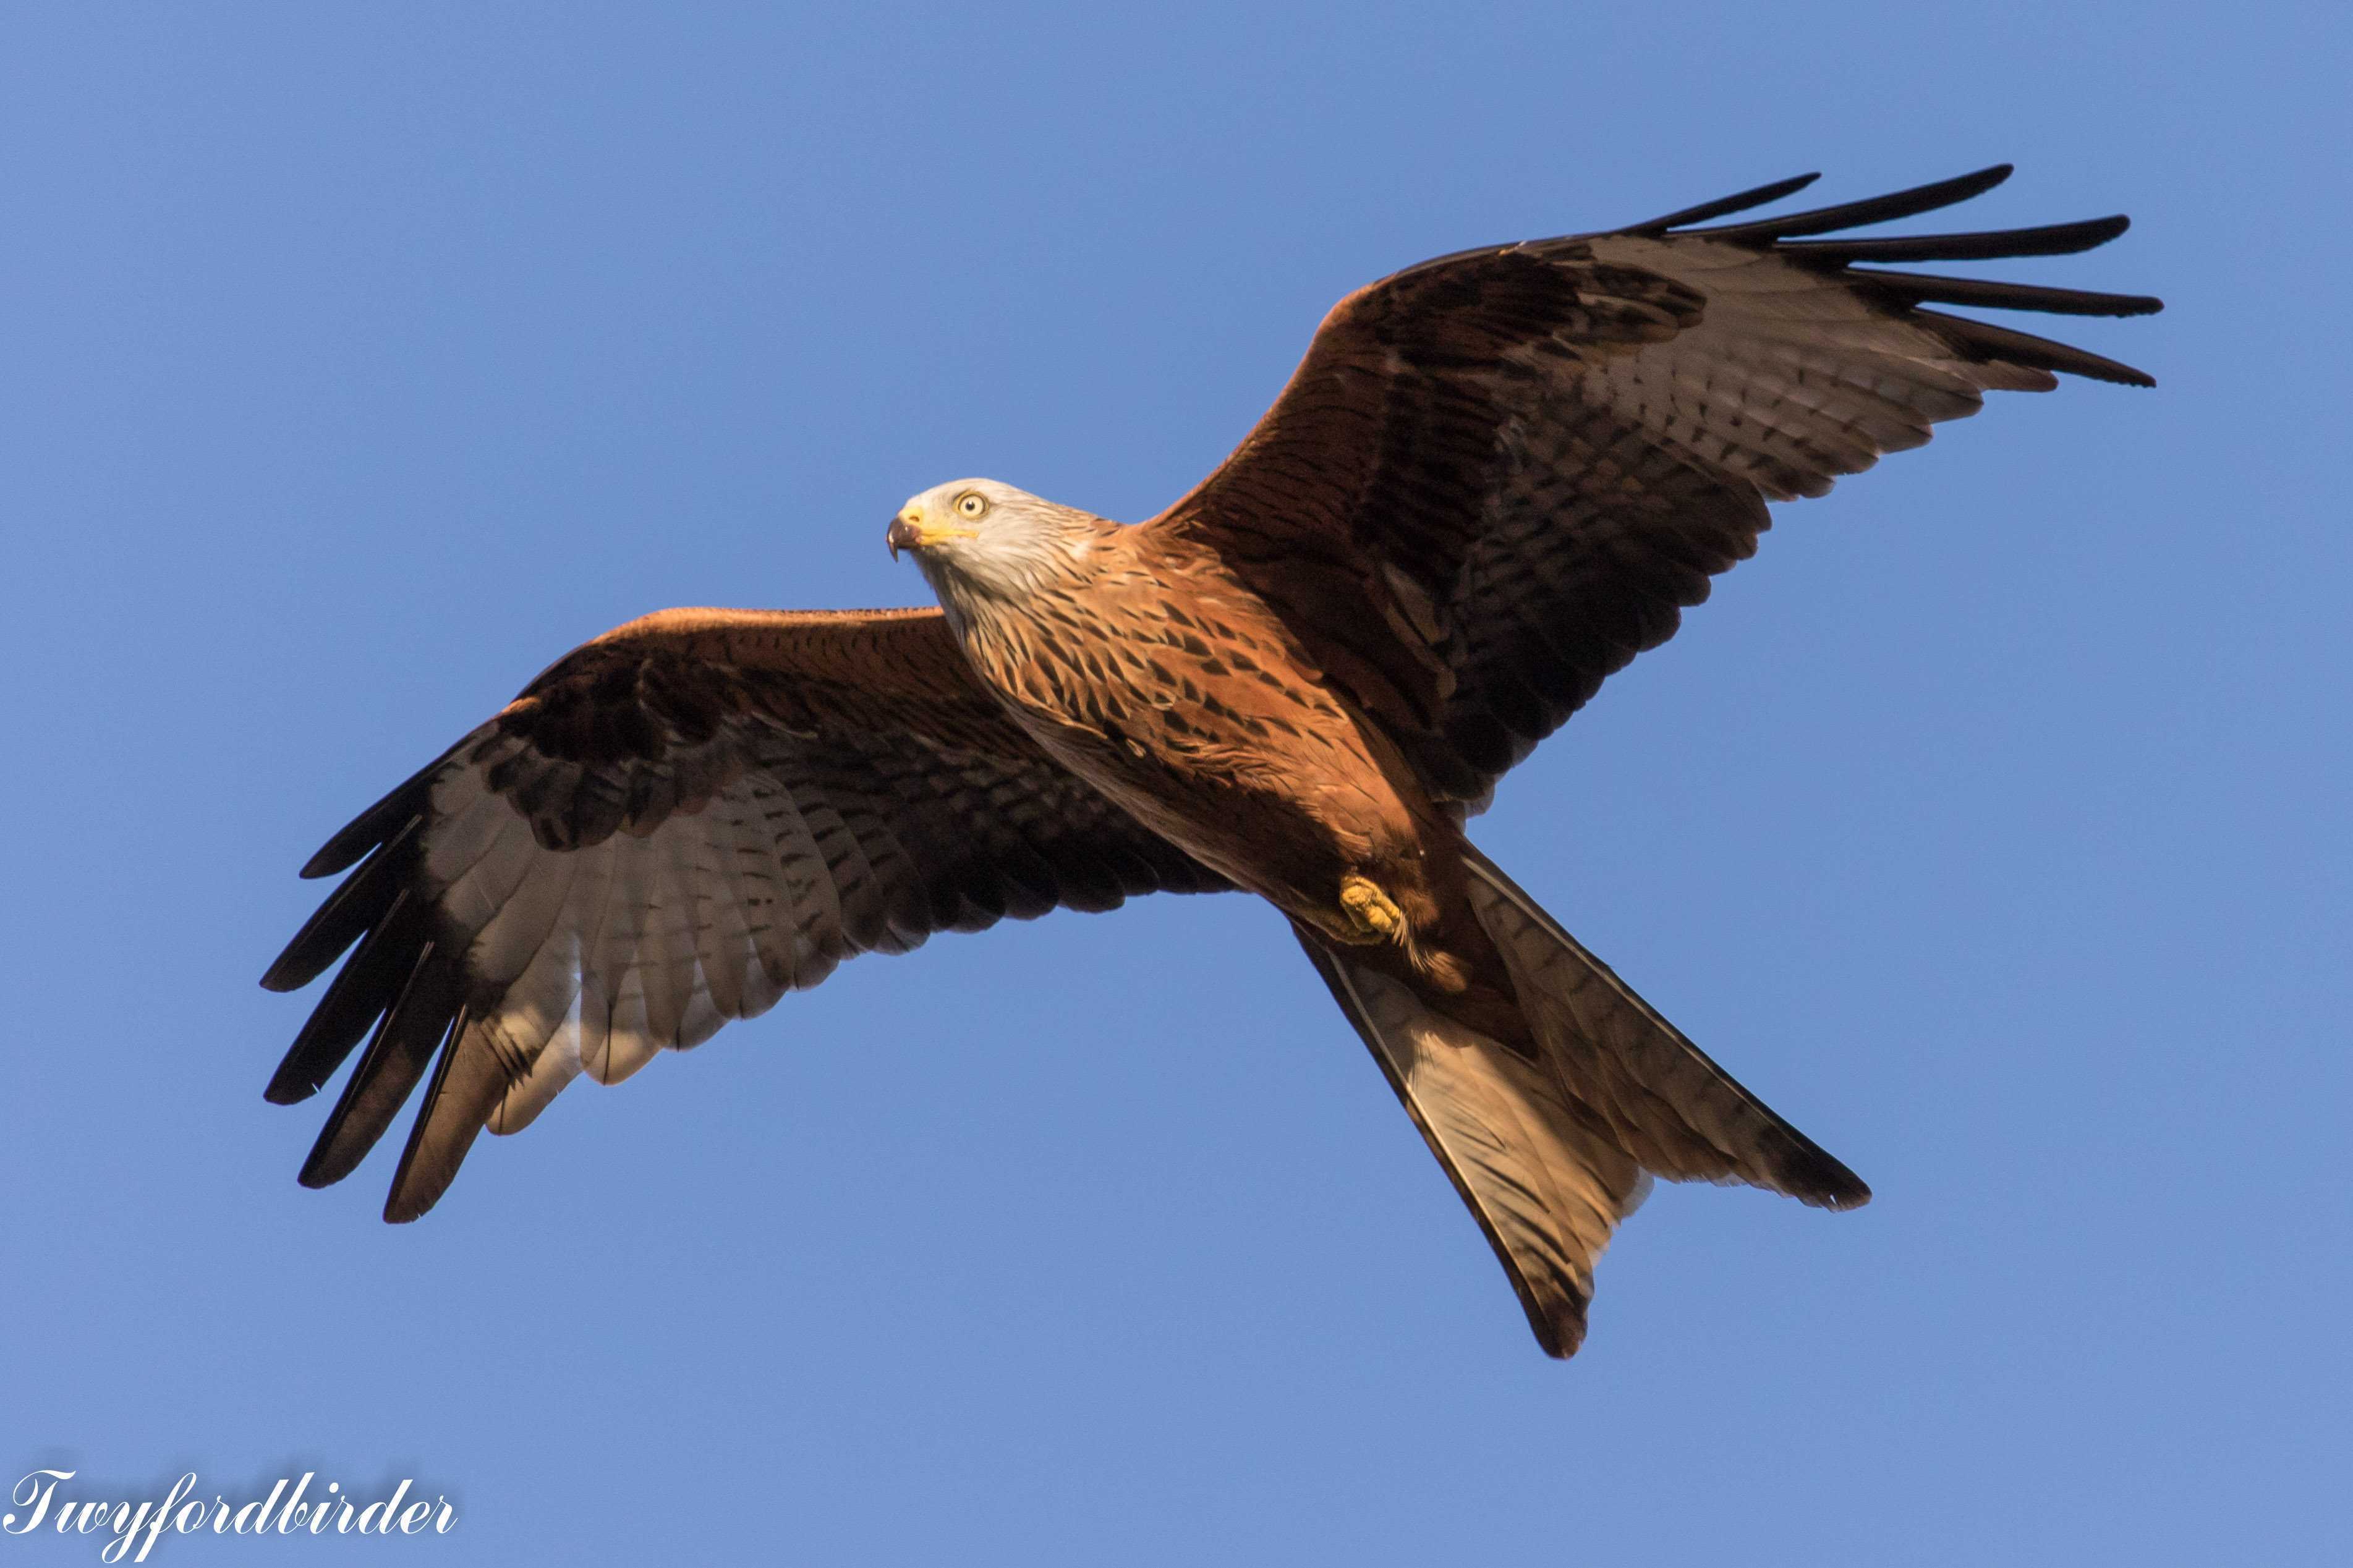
{"x":1992,"y":824}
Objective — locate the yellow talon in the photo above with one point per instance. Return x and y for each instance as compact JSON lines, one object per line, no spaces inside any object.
{"x":1369,"y":910}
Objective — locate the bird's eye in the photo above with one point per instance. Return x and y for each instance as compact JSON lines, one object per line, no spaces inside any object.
{"x":972,"y":503}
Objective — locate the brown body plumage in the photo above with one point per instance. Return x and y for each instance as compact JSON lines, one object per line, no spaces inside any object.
{"x":1146,"y":666}
{"x":1495,"y":478}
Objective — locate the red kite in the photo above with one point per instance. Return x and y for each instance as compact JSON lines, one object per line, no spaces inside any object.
{"x":1494,"y":479}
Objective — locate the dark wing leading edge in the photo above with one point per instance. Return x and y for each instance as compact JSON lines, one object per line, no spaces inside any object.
{"x":1499,"y":475}
{"x":673,"y":827}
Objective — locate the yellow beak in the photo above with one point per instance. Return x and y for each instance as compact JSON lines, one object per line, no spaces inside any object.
{"x":911,"y":531}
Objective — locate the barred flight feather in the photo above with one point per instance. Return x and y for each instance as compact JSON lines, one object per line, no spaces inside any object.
{"x":542,"y":903}
{"x":1586,"y":409}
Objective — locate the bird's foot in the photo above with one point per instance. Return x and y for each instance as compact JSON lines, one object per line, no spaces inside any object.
{"x":1371,"y":914}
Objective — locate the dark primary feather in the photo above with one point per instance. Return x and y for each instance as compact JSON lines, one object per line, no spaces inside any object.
{"x":1723,"y":206}
{"x":1498,"y":476}
{"x":671,"y":828}
{"x":368,"y":830}
{"x":1991,"y":245}
{"x":1908,"y":203}
{"x":1921,"y":288}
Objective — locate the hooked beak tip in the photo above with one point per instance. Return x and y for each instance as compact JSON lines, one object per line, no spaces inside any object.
{"x":902,"y":535}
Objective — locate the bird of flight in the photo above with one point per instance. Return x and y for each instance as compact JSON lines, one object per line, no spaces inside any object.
{"x":1495,"y":479}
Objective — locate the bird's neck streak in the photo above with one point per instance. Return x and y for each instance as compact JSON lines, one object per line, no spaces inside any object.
{"x":1028,"y":636}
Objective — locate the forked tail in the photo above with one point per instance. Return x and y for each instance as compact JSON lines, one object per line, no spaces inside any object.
{"x":1550,"y":1155}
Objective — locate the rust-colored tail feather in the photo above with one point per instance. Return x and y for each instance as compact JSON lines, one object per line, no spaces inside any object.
{"x":1550,"y":1155}
{"x":1683,"y":1115}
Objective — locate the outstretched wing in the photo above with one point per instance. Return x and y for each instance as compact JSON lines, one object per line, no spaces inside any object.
{"x":673,"y":827}
{"x":1499,"y":475}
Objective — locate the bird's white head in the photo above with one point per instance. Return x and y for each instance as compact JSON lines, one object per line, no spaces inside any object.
{"x":979,"y":538}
